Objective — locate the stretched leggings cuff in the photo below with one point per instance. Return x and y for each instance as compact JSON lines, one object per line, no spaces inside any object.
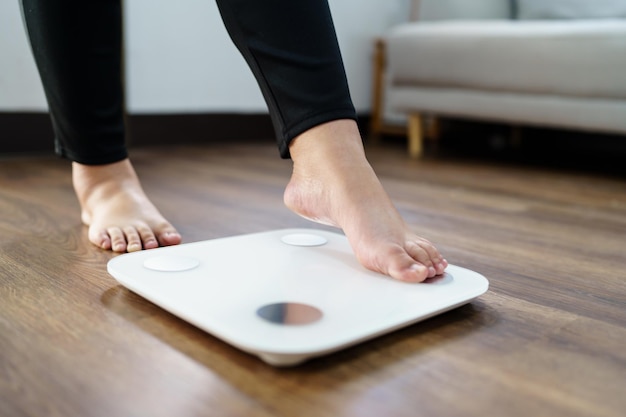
{"x":90,"y":159}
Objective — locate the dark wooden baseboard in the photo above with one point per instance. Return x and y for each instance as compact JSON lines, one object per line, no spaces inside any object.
{"x":25,"y":133}
{"x":32,"y":132}
{"x":164,"y":129}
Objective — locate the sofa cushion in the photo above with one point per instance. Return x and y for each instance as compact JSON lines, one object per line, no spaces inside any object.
{"x":570,"y":58}
{"x":570,"y":9}
{"x":596,"y":114}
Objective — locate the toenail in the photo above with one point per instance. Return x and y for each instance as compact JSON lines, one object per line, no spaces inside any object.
{"x":431,"y":271}
{"x":417,"y":267}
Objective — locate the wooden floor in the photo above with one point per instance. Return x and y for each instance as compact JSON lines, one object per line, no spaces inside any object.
{"x":547,"y":339}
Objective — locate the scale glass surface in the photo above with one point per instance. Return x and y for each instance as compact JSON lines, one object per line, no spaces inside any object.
{"x":286,"y":295}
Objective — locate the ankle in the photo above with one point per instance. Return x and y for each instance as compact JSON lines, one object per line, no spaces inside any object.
{"x":338,"y":141}
{"x":101,"y":181}
{"x":87,"y":176}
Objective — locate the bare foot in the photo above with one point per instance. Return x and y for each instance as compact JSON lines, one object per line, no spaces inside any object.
{"x":332,"y":183}
{"x":119,"y":214}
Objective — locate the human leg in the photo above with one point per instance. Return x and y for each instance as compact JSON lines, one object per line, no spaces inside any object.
{"x":293,"y":52}
{"x":292,"y":49}
{"x":77,"y":49}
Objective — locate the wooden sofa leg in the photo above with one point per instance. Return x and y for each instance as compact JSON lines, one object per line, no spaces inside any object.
{"x":416,"y":136}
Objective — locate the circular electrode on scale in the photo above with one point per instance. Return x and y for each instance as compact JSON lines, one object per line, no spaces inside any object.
{"x":304,"y":239}
{"x":171,"y":263}
{"x":290,"y":313}
{"x":443,"y":279}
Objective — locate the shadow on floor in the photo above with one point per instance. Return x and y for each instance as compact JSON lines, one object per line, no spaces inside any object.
{"x":526,"y":146}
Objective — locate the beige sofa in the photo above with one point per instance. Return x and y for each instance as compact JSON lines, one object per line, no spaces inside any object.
{"x":551,"y":63}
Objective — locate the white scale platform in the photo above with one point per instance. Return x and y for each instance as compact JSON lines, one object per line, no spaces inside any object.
{"x":287,"y":295}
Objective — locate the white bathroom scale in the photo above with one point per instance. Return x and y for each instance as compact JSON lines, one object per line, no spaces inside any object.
{"x":286,"y":295}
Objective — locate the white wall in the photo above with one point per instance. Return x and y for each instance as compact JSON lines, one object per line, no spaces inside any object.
{"x":179,"y":57}
{"x":20,"y":88}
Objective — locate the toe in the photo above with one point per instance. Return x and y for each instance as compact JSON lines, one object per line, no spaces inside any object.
{"x":441,"y":266}
{"x":100,"y":238}
{"x":425,"y":252}
{"x":420,"y":254}
{"x":118,"y":240}
{"x":148,"y":239}
{"x":412,"y":273}
{"x":402,"y":266}
{"x":168,"y":236}
{"x":133,"y":240}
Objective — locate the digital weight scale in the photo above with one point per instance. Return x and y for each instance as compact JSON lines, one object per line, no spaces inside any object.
{"x":287,"y":295}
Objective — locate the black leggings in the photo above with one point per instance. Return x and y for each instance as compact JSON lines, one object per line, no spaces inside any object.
{"x":290,"y":46}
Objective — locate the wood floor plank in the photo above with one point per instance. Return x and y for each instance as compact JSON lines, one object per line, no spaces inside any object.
{"x":546,"y":339}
